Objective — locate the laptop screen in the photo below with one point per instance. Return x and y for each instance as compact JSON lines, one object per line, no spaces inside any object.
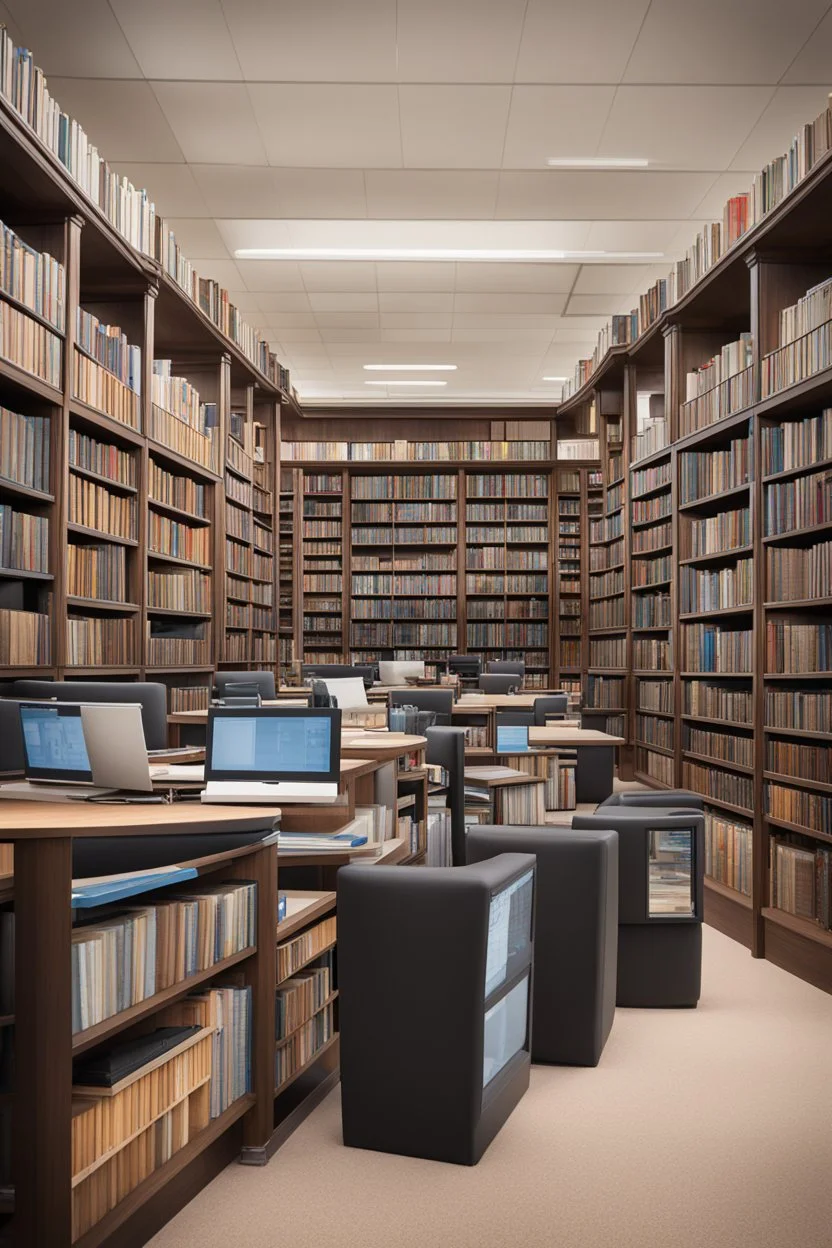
{"x":512,"y":738}
{"x":53,"y":743}
{"x":274,"y":744}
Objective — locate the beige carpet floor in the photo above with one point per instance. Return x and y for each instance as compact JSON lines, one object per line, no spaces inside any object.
{"x":699,"y":1129}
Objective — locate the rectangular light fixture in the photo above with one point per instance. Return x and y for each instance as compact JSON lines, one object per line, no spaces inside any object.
{"x":597,"y":162}
{"x":405,"y":383}
{"x":410,"y":368}
{"x":457,"y":255}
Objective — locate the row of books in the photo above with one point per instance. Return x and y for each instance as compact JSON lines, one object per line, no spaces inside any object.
{"x":445,"y":535}
{"x":96,"y":386}
{"x":262,"y":567}
{"x":179,"y":541}
{"x":797,"y":444}
{"x":800,"y":880}
{"x":499,"y":559}
{"x":34,"y":278}
{"x":302,"y":995}
{"x":508,"y":485}
{"x":810,"y":312}
{"x":715,"y":589}
{"x":791,"y":364}
{"x":655,"y":695}
{"x":801,"y":503}
{"x":604,"y":584}
{"x":719,"y":388}
{"x":177,"y":396}
{"x":185,"y":590}
{"x":716,"y":535}
{"x":237,"y":558}
{"x":302,"y":1046}
{"x":609,"y":652}
{"x":608,"y":613}
{"x":97,"y":572}
{"x":24,"y":449}
{"x":729,"y":851}
{"x":600,"y":557}
{"x":195,"y":445}
{"x":321,"y":529}
{"x":94,"y":642}
{"x":569,"y":652}
{"x":577,"y":448}
{"x":403,"y":512}
{"x":657,"y":766}
{"x":800,"y":572}
{"x":653,"y":437}
{"x":712,"y":701}
{"x":420,"y":452}
{"x":25,"y":638}
{"x":792,"y":647}
{"x":712,"y":648}
{"x":523,"y":635}
{"x":93,"y":506}
{"x":799,"y":759}
{"x":403,"y":487}
{"x":173,"y":490}
{"x":108,"y":345}
{"x":237,"y":459}
{"x":509,"y":583}
{"x":103,"y":458}
{"x":30,"y":346}
{"x":189,"y":698}
{"x":705,"y":473}
{"x":322,"y":583}
{"x":238,"y":491}
{"x":510,"y":609}
{"x":727,"y":747}
{"x":653,"y":731}
{"x":720,"y":785}
{"x":24,"y":540}
{"x":403,"y":609}
{"x":293,"y":955}
{"x":801,"y":709}
{"x":614,"y":499}
{"x":646,"y":510}
{"x":799,"y":806}
{"x":652,"y":654}
{"x":652,"y":610}
{"x":651,"y":538}
{"x":644,"y":480}
{"x":237,"y":522}
{"x":603,"y":692}
{"x":178,"y":645}
{"x":651,"y":571}
{"x":403,"y":584}
{"x":607,"y":529}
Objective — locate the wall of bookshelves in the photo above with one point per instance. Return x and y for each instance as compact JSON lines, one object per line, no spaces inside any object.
{"x":579,"y":491}
{"x":324,"y":523}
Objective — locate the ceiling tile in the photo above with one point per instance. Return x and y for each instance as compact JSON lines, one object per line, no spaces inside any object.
{"x":616,"y":279}
{"x":554,"y":121}
{"x":790,"y":109}
{"x":416,"y":335}
{"x":108,"y":110}
{"x":683,"y":127}
{"x":604,"y":305}
{"x":506,"y":304}
{"x":641,"y":235}
{"x":7,"y":20}
{"x":237,"y":190}
{"x":812,"y":62}
{"x":347,"y":320}
{"x":413,"y":276}
{"x":309,"y":352}
{"x":300,"y":333}
{"x":195,"y":43}
{"x":586,"y":42}
{"x":79,"y":40}
{"x":424,"y":194}
{"x":338,"y":301}
{"x":560,"y":193}
{"x":282,"y":302}
{"x":319,"y":193}
{"x":746,"y":41}
{"x":173,"y":188}
{"x":324,"y":124}
{"x":246,"y":302}
{"x":265,"y":275}
{"x":199,"y":238}
{"x":314,"y":40}
{"x":463,"y":41}
{"x":223,"y":271}
{"x":534,"y":325}
{"x":348,"y":333}
{"x":416,"y":320}
{"x":452,"y":127}
{"x":326,"y":276}
{"x":213,"y":121}
{"x":415,"y":301}
{"x":540,"y":278}
{"x":514,"y":341}
{"x":278,"y":321}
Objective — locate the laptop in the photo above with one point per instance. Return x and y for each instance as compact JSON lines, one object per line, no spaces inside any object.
{"x":273,"y":754}
{"x":513,"y":739}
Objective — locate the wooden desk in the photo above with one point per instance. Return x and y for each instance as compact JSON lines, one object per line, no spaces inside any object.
{"x":382,"y":746}
{"x":595,"y":770}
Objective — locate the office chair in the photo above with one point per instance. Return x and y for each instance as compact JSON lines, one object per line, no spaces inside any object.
{"x":553,"y":707}
{"x":263,"y":683}
{"x":675,"y":799}
{"x":503,"y":683}
{"x":465,"y":665}
{"x":151,"y":696}
{"x":446,"y":748}
{"x":338,"y":671}
{"x":320,"y":695}
{"x":514,"y":667}
{"x":514,"y":717}
{"x":440,"y":701}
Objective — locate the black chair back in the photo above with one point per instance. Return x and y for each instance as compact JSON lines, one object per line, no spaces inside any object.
{"x":553,"y":707}
{"x":151,"y":696}
{"x":502,"y":683}
{"x":263,"y":683}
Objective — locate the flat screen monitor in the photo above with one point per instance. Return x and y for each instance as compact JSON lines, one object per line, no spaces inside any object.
{"x":506,"y":1030}
{"x":512,"y":738}
{"x":509,"y":931}
{"x":274,"y":744}
{"x":670,"y":874}
{"x":53,"y":743}
{"x":398,"y":672}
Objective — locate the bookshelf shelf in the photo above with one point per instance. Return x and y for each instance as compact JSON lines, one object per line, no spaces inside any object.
{"x":168,"y":509}
{"x":812,"y":785}
{"x":283,"y":1040}
{"x":100,"y":420}
{"x":732,"y":552}
{"x":813,"y":833}
{"x":811,"y":531}
{"x":316,"y":1056}
{"x":159,"y":451}
{"x":800,"y":927}
{"x":24,"y":491}
{"x":795,"y":732}
{"x":787,"y":473}
{"x":100,"y":536}
{"x":718,"y":762}
{"x":118,"y":487}
{"x":732,"y":894}
{"x":28,"y":383}
{"x":159,"y":556}
{"x":715,"y":500}
{"x":719,"y":613}
{"x":103,"y":604}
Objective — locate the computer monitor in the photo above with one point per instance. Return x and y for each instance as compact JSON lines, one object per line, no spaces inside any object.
{"x":398,"y":672}
{"x":512,"y":738}
{"x":53,"y":743}
{"x":274,"y":744}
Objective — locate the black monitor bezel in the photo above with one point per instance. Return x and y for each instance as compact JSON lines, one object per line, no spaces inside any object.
{"x":331,"y":776}
{"x":63,"y":776}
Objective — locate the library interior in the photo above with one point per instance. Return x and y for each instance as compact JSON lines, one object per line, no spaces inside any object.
{"x":415,"y":623}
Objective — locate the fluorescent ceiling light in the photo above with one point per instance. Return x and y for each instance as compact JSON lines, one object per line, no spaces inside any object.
{"x":462,"y":255}
{"x":555,"y":378}
{"x":410,"y":368}
{"x":405,"y":383}
{"x":597,"y":162}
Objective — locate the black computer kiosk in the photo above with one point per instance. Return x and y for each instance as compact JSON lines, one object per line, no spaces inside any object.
{"x":435,"y":1000}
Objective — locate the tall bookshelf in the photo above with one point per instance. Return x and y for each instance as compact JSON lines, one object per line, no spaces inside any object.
{"x":322,"y":531}
{"x":579,"y":493}
{"x":287,"y":572}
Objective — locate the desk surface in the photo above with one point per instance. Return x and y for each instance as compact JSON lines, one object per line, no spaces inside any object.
{"x":553,"y":734}
{"x":381,"y":746}
{"x":499,"y":777}
{"x":201,"y":716}
{"x":25,"y":820}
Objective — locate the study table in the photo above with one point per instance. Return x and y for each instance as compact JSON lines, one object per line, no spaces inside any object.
{"x":595,"y":750}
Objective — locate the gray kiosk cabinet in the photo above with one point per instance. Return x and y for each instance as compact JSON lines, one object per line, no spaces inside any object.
{"x":435,"y":1004}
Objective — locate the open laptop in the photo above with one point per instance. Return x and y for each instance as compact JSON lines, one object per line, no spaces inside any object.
{"x":513,"y":739}
{"x":273,"y":754}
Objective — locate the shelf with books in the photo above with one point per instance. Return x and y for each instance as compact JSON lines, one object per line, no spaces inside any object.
{"x":323,"y":521}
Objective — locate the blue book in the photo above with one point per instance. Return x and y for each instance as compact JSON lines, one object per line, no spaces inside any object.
{"x":103,"y":892}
